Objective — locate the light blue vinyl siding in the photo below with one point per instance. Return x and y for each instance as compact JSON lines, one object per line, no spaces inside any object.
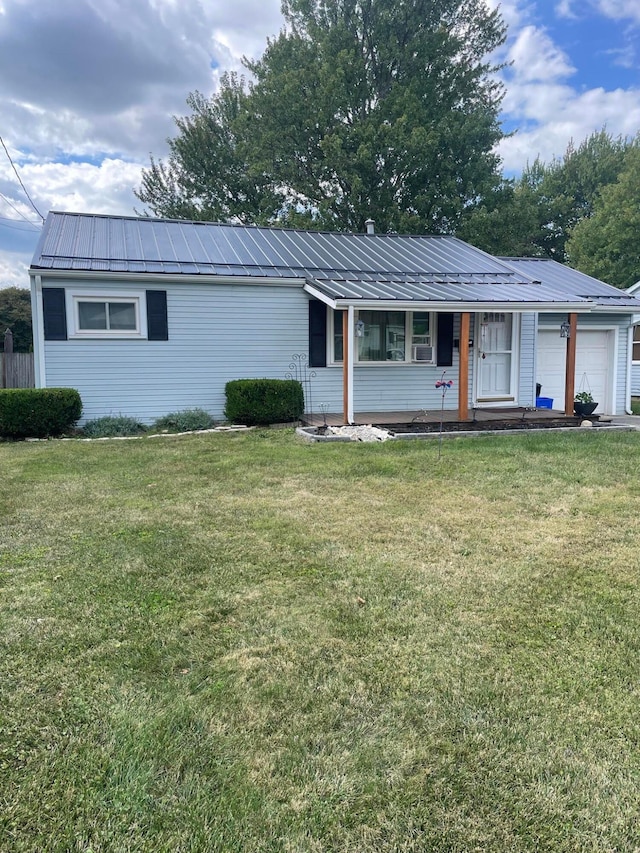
{"x":217,"y":332}
{"x":526,"y":391}
{"x":391,"y":387}
{"x":635,"y":380}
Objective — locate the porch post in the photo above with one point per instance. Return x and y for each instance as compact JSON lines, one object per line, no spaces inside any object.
{"x":463,"y":367}
{"x":570,"y":377}
{"x":345,"y":366}
{"x":350,"y":315}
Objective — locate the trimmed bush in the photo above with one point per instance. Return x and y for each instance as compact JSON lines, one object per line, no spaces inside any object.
{"x":263,"y":401}
{"x":38,"y":412}
{"x":113,"y":426}
{"x":185,"y":421}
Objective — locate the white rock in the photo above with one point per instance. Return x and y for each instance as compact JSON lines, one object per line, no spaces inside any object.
{"x":586,"y":423}
{"x":360,"y":433}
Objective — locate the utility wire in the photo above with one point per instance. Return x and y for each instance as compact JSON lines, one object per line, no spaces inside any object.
{"x":31,"y":202}
{"x":18,"y":227}
{"x":20,"y":214}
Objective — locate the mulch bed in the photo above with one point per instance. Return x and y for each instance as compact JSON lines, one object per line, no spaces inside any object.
{"x":479,"y":426}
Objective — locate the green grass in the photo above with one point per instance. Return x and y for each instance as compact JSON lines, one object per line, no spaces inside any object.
{"x":240,"y":642}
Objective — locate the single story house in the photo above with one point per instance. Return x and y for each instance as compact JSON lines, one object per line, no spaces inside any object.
{"x":146,"y":316}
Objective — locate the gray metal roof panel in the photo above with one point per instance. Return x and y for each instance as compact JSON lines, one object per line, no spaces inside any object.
{"x":482,"y":289}
{"x":90,"y":241}
{"x":572,"y":283}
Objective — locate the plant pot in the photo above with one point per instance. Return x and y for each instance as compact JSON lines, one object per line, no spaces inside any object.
{"x":583,"y":410}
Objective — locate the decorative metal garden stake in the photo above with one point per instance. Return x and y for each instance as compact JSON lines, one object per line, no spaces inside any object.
{"x":324,"y":408}
{"x":444,"y":385}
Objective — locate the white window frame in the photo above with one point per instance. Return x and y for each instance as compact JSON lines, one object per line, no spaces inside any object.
{"x":408,"y":327}
{"x":137,"y":298}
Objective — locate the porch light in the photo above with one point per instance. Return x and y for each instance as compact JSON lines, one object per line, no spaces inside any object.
{"x":565,"y":330}
{"x":360,"y":329}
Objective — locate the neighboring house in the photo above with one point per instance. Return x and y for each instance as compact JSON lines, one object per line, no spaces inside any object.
{"x":147,"y":316}
{"x":635,"y":351}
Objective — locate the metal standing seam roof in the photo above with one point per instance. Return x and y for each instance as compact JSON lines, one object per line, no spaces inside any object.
{"x":572,"y":284}
{"x":117,"y":243}
{"x":344,"y":266}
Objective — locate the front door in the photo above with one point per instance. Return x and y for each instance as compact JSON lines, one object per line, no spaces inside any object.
{"x":495,"y":362}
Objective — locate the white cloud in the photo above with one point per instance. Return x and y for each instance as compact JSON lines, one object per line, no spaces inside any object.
{"x":564,"y":9}
{"x":620,"y":9}
{"x":106,"y":76}
{"x":13,"y":269}
{"x":552,"y":115}
{"x":103,"y":188}
{"x":536,"y":57}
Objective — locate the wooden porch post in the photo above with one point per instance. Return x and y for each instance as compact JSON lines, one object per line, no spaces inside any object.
{"x":345,"y":366}
{"x":463,"y":369}
{"x":570,"y":377}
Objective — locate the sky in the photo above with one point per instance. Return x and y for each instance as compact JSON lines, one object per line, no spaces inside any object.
{"x":89,"y":88}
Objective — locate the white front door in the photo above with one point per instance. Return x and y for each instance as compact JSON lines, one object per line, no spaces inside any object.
{"x":495,"y":358}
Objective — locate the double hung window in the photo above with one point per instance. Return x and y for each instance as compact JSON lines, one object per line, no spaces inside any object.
{"x":389,"y":336}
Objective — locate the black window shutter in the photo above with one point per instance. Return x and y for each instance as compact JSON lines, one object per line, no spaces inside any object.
{"x":54,"y":313}
{"x":157,"y":326}
{"x":445,"y":340}
{"x":317,"y":333}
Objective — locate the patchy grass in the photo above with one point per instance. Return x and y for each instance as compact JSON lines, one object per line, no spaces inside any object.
{"x":239,"y":642}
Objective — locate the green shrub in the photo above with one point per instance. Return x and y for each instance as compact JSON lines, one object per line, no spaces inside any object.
{"x":113,"y":427}
{"x":263,"y":401}
{"x":38,"y":412}
{"x":189,"y":419}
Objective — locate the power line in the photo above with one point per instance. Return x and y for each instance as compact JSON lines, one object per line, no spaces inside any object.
{"x":18,"y":226}
{"x":31,"y":202}
{"x":11,"y":204}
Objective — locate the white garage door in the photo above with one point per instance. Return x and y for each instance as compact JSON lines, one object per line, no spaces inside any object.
{"x":594,"y":357}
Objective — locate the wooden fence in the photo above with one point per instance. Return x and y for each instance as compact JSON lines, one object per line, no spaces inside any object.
{"x":16,"y":368}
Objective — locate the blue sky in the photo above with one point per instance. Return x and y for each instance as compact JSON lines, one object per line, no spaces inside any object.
{"x":88,"y":89}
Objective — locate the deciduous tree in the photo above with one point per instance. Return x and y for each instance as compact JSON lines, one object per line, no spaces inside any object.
{"x":15,"y":314}
{"x":358,"y":109}
{"x":607,"y":244}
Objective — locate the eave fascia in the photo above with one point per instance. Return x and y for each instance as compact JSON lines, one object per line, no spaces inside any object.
{"x":318,"y":294}
{"x":472,"y":307}
{"x":613,"y":309}
{"x":166,"y":278}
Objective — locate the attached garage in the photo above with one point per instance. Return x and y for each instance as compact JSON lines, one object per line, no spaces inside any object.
{"x":595,"y":364}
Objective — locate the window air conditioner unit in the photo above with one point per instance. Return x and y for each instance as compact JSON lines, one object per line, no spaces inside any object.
{"x":422,"y":352}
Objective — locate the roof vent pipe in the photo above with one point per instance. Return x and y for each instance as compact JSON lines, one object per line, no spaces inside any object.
{"x":370,"y":225}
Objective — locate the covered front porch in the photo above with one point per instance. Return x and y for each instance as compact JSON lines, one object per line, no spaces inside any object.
{"x":470,"y":409}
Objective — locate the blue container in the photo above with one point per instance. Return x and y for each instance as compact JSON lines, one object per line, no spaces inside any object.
{"x":544,"y":402}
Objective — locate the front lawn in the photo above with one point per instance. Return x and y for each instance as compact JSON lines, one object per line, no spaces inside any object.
{"x":240,"y":642}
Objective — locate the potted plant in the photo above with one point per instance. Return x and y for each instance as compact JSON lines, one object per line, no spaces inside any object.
{"x":583,"y":404}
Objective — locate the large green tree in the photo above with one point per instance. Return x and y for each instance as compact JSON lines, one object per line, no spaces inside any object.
{"x":607,"y":244}
{"x":15,"y":314}
{"x":536,"y":214}
{"x":383,"y":109}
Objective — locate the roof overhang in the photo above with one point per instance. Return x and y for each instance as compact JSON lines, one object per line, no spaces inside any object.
{"x":432,"y":305}
{"x":173,"y":278}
